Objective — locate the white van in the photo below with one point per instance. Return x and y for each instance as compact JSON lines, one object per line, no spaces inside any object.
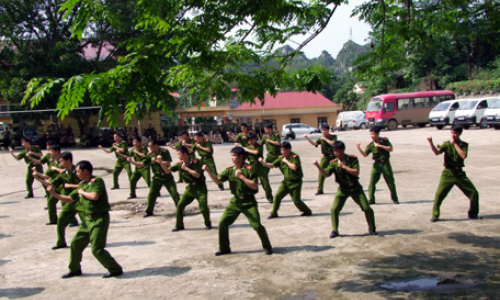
{"x":444,"y":113}
{"x":471,"y":112}
{"x":492,"y":114}
{"x":351,"y":119}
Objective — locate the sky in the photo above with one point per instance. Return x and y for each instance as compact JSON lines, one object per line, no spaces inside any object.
{"x":337,"y":33}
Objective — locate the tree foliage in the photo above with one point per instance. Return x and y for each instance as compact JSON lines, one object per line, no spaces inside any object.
{"x":193,"y":46}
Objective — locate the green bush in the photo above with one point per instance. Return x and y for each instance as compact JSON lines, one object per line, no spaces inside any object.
{"x":474,"y":86}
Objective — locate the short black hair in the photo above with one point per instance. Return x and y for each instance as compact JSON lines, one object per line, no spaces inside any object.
{"x":338,"y":145}
{"x":457,"y":128}
{"x":252,"y":135}
{"x":239,"y":151}
{"x":26,"y":139}
{"x":376,"y":129}
{"x":325,"y":126}
{"x":183,"y":149}
{"x":269,"y":125}
{"x":286,"y":145}
{"x":183,"y":133}
{"x":199,"y":134}
{"x":153,"y":141}
{"x":66,"y":155}
{"x":137,"y":138}
{"x":85,"y":165}
{"x":244,"y":125}
{"x":55,"y":147}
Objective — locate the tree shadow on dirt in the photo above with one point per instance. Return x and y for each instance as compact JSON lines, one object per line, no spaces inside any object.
{"x":416,"y":201}
{"x":17,"y":293}
{"x":486,"y":242}
{"x":4,"y":261}
{"x":494,"y":216}
{"x":130,"y":243}
{"x":2,"y":236}
{"x":399,"y":231}
{"x":9,"y":202}
{"x":4,"y":217}
{"x":160,"y":271}
{"x":286,"y":250}
{"x":323,"y":214}
{"x":481,"y":266}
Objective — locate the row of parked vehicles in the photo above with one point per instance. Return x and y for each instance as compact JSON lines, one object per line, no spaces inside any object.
{"x":481,"y":112}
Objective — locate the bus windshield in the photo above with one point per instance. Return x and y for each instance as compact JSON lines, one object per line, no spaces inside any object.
{"x":374,"y":105}
{"x":443,"y":106}
{"x":468,"y":105}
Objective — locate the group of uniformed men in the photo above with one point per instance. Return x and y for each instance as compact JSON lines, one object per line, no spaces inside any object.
{"x":85,"y":194}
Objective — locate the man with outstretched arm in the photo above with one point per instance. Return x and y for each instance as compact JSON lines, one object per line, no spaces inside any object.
{"x":455,"y":152}
{"x":92,"y":201}
{"x":138,"y":156}
{"x":243,"y":185}
{"x":119,"y":147}
{"x":346,"y":169}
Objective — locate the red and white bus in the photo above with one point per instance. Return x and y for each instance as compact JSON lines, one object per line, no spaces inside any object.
{"x":391,"y":110}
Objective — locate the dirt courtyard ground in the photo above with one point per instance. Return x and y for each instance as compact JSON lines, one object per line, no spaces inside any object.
{"x":306,"y":264}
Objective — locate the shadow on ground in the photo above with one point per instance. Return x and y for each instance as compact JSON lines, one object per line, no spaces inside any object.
{"x":17,"y":293}
{"x":130,"y":243}
{"x":481,"y":265}
{"x":161,"y":271}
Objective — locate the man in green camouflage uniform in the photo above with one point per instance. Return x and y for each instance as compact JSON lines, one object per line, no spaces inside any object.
{"x":289,"y":164}
{"x":205,"y":150}
{"x":185,"y":140}
{"x":381,"y":148}
{"x":241,"y":138}
{"x":255,"y":152}
{"x":92,"y":201}
{"x":243,"y":185}
{"x":192,"y":174}
{"x":138,"y":156}
{"x":28,"y":151}
{"x":346,"y":170}
{"x":272,"y":141}
{"x":119,"y":147}
{"x":326,"y":141}
{"x":159,"y":158}
{"x":455,"y":152}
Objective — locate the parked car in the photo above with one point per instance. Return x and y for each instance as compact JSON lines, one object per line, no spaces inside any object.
{"x":471,"y":112}
{"x":299,"y":129}
{"x":351,"y":120}
{"x":444,"y":113}
{"x":5,"y":134}
{"x":492,"y":114}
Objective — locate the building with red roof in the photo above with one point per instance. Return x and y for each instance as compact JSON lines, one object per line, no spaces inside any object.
{"x":310,"y":108}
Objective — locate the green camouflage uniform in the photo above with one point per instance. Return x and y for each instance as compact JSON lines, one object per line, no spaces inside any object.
{"x":262,"y":171}
{"x":196,"y":189}
{"x":51,"y":200}
{"x":69,"y":211}
{"x":381,"y":165}
{"x":178,"y":144}
{"x":243,"y":201}
{"x":144,"y":172}
{"x":349,"y":187}
{"x":94,"y":226}
{"x":327,"y":151}
{"x":29,"y":172}
{"x":207,"y":158}
{"x":160,"y":178}
{"x":121,"y":163}
{"x":452,"y":175}
{"x":292,"y":184}
{"x":242,"y":138}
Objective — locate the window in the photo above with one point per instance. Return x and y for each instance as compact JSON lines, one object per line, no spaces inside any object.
{"x":454,"y":106}
{"x":297,"y":120}
{"x":389,"y":106}
{"x":405,"y":103}
{"x":482,"y":105}
{"x":322,"y":121}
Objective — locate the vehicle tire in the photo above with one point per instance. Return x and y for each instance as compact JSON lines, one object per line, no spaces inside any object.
{"x":496,"y":127}
{"x":404,"y":126}
{"x":439,"y":127}
{"x":467,"y":126}
{"x":362,"y":126}
{"x":483,"y":124}
{"x":422,"y":125}
{"x":392,"y":125}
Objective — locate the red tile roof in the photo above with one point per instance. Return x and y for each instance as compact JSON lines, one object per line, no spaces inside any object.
{"x":289,"y":100}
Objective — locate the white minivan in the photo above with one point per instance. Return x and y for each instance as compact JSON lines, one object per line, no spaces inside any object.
{"x":444,"y":113}
{"x":351,"y":119}
{"x":492,"y":114}
{"x":471,"y":112}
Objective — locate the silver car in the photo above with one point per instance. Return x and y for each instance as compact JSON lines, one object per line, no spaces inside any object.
{"x":298,"y":129}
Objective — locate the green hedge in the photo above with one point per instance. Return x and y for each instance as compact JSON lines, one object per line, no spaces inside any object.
{"x":474,"y":86}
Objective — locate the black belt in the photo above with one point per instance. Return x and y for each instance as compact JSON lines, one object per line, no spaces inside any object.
{"x":453,"y":168}
{"x":96,"y":215}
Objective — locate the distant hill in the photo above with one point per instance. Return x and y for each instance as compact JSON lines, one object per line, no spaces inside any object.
{"x":349,"y":52}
